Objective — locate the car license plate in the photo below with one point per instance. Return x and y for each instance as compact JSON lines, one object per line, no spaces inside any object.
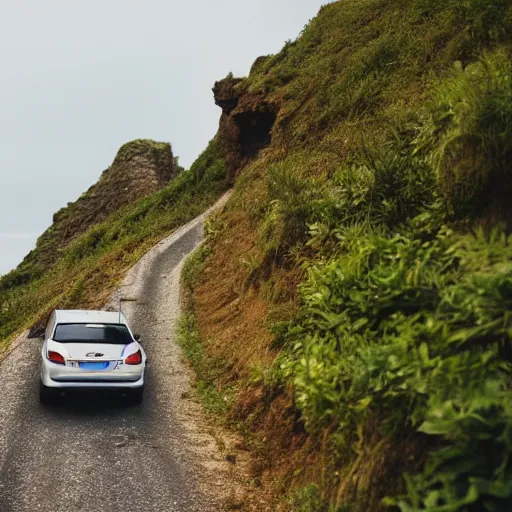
{"x":93,"y":366}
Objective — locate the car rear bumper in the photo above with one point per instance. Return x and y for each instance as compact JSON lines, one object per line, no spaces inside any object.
{"x":90,"y":384}
{"x":64,"y":377}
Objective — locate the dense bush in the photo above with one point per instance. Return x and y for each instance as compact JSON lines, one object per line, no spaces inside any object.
{"x":474,"y":118}
{"x":293,"y":201}
{"x":382,"y":185}
{"x":416,"y":325}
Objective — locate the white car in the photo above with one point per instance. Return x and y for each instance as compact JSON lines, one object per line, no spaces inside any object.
{"x":91,"y":350}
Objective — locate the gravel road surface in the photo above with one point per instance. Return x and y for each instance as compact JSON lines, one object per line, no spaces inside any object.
{"x":95,"y":453}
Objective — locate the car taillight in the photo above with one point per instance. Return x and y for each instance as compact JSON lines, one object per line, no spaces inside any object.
{"x":55,"y":357}
{"x":134,"y":358}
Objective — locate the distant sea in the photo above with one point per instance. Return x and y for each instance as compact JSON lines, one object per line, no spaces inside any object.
{"x":13,"y":248}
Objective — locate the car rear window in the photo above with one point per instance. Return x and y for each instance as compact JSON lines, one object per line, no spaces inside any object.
{"x":92,"y":333}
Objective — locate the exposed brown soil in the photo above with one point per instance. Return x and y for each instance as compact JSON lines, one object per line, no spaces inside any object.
{"x":226,"y":316}
{"x":233,"y":320}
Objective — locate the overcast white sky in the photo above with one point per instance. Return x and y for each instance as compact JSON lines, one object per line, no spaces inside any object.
{"x":80,"y":78}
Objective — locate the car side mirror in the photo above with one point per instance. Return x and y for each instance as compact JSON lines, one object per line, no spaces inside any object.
{"x":136,"y":337}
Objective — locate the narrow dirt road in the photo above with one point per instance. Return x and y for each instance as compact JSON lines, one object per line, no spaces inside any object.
{"x":89,"y":454}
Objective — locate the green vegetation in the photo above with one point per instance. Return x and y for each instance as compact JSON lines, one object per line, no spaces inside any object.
{"x":474,"y":123}
{"x":362,"y":63}
{"x":405,"y":318}
{"x":387,"y":184}
{"x":207,"y":369}
{"x":307,"y":499}
{"x":88,"y":268}
{"x":414,"y":327}
{"x":141,"y":147}
{"x":192,"y":269}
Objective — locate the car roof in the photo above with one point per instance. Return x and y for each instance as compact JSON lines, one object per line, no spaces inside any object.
{"x":86,"y":316}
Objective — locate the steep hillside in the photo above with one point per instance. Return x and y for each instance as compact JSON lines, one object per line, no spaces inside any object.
{"x":352,"y":304}
{"x":140,"y":168}
{"x":140,"y":198}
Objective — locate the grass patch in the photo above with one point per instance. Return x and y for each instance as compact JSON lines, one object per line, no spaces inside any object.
{"x":207,"y":369}
{"x":192,"y":270}
{"x":308,"y":499}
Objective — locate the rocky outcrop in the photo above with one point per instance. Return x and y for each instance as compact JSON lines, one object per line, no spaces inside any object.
{"x":245,"y":125}
{"x":226,"y":93}
{"x":140,"y":168}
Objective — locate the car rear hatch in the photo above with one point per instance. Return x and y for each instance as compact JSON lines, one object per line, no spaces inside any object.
{"x":93,"y":352}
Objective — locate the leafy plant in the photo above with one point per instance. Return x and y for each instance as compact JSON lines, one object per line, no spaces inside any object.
{"x":474,"y":116}
{"x":417,"y":324}
{"x":309,"y":499}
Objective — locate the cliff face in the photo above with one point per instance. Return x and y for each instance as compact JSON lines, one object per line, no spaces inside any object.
{"x":140,"y":168}
{"x":245,"y":125}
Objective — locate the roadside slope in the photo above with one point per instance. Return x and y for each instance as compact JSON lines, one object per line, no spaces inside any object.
{"x":356,"y":290}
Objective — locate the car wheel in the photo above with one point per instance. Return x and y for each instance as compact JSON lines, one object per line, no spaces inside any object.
{"x":46,"y":394}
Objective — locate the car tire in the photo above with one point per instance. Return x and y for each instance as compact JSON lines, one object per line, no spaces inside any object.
{"x":135,"y":395}
{"x":46,"y":394}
